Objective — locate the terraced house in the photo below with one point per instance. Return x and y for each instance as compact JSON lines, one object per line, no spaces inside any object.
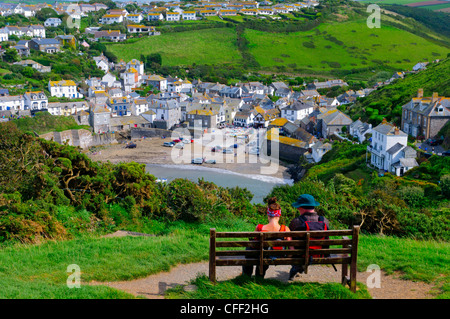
{"x":425,"y":116}
{"x":65,"y":88}
{"x":119,"y":106}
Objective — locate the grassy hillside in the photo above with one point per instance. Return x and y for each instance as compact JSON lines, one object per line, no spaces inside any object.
{"x":345,"y":48}
{"x":342,"y":46}
{"x":208,"y":46}
{"x":387,"y":101}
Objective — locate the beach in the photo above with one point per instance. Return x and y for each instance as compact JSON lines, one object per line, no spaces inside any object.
{"x":152,"y":151}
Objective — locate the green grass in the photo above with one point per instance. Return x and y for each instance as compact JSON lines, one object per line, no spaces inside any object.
{"x":40,"y":271}
{"x":43,"y":122}
{"x":360,"y":47}
{"x":207,"y":46}
{"x":243,"y":287}
{"x":403,"y":2}
{"x":436,"y":6}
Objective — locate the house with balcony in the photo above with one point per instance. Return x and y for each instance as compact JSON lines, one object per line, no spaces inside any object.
{"x":35,"y":101}
{"x":389,"y":150}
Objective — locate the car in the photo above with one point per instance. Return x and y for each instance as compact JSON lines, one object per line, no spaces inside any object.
{"x":227,"y":151}
{"x":211,"y":161}
{"x":433,"y":141}
{"x":446,"y":153}
{"x":179,"y":145}
{"x":130,"y":145}
{"x":197,"y":160}
{"x":168,"y":144}
{"x":177,"y":140}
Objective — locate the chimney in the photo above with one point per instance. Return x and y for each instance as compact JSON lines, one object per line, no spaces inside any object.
{"x":434,"y":97}
{"x":396,"y":131}
{"x":420,"y":93}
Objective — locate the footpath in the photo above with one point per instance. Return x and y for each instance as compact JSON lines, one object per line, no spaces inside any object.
{"x":154,"y":286}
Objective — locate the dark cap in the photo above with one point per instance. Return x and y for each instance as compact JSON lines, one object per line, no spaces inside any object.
{"x":305,"y":200}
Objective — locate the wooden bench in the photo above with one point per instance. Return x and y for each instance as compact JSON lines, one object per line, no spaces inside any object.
{"x":229,"y":249}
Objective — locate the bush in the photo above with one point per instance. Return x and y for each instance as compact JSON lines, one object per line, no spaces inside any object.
{"x":412,"y":195}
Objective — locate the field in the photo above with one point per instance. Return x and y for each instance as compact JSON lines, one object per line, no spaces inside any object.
{"x":342,"y":46}
{"x":331,"y":46}
{"x":208,"y":46}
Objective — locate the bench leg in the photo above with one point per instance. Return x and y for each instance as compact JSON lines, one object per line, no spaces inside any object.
{"x":344,"y":274}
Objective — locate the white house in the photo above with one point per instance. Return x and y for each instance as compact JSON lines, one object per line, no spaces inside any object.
{"x":4,"y":36}
{"x":135,"y":17}
{"x":359,"y":130}
{"x":188,"y":15}
{"x":111,"y":18}
{"x":35,"y":100}
{"x":243,"y":118}
{"x":155,"y":16}
{"x":139,"y":106}
{"x":11,"y":103}
{"x":173,"y":16}
{"x":297,"y":110}
{"x":138,"y":65}
{"x":52,"y":22}
{"x":319,"y":149}
{"x":389,"y":150}
{"x":65,"y":88}
{"x":108,"y":80}
{"x":102,"y":63}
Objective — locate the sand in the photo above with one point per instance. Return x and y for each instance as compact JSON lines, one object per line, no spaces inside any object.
{"x":152,"y":151}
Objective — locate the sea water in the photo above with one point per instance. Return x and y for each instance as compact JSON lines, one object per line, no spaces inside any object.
{"x":259,"y":185}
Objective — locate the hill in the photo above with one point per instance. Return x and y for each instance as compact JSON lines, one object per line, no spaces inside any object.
{"x":387,"y":101}
{"x":335,"y":41}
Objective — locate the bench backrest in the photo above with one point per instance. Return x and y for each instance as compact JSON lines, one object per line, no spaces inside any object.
{"x":252,"y":248}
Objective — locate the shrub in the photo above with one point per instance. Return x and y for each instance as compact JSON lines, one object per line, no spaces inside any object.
{"x":412,"y":195}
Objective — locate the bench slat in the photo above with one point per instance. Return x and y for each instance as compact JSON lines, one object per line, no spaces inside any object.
{"x":300,"y":234}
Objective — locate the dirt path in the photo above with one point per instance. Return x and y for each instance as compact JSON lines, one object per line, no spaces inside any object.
{"x":154,"y":286}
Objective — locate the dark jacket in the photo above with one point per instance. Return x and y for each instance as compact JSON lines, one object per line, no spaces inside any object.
{"x":296,"y":224}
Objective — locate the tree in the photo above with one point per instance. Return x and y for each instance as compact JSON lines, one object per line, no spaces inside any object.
{"x":11,"y":55}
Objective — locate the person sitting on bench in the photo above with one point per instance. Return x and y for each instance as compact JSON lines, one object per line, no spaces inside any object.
{"x":273,"y":215}
{"x":308,"y":220}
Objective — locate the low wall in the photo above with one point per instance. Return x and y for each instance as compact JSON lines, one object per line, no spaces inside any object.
{"x":82,"y":138}
{"x":151,"y":132}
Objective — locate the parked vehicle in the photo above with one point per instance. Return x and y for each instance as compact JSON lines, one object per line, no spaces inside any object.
{"x":446,"y":153}
{"x":177,"y":140}
{"x":130,"y":145}
{"x":433,"y":141}
{"x":227,"y":151}
{"x":213,"y":161}
{"x":216,"y":148}
{"x":197,"y":160}
{"x":169,"y":144}
{"x":179,"y":145}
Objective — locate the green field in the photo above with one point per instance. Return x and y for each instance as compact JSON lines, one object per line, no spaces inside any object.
{"x":331,"y":46}
{"x":342,"y":46}
{"x":208,"y":46}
